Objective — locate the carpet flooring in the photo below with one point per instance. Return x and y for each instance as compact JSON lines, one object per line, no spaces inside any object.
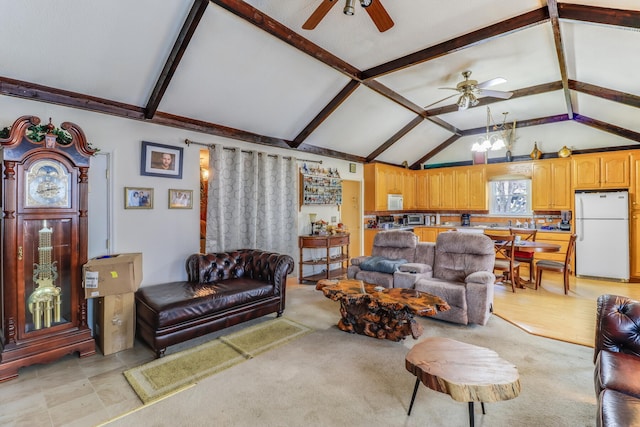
{"x":332,"y":378}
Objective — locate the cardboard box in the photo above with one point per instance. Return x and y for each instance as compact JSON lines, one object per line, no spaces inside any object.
{"x":112,"y":275}
{"x":115,"y":322}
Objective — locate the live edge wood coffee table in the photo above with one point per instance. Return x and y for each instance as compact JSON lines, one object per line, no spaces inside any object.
{"x":466,"y":372}
{"x":380,"y":313}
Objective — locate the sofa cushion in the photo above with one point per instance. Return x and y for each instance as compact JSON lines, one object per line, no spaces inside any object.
{"x":171,"y":303}
{"x":375,"y":278}
{"x":617,"y":371}
{"x":382,"y":264}
{"x":453,"y":293}
{"x":617,"y":409}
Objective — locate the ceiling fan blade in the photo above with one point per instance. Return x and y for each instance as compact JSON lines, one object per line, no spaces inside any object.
{"x":318,"y":14}
{"x":450,"y":88}
{"x":443,"y":99}
{"x":495,"y":93}
{"x":379,"y":16}
{"x":492,"y":82}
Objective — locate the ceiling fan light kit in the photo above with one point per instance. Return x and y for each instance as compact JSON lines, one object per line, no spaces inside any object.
{"x":503,"y":137}
{"x":374,"y":8}
{"x":349,"y":7}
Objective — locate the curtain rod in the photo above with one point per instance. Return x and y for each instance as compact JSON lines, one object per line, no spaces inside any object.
{"x":210,"y":146}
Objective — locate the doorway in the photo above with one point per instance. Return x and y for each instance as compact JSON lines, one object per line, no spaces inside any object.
{"x":351,"y":215}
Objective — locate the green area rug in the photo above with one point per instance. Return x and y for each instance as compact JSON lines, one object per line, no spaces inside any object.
{"x":165,"y":376}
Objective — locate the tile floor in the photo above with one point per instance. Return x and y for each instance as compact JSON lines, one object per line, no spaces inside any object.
{"x":72,"y":391}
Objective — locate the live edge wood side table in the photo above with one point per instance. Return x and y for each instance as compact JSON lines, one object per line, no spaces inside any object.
{"x":379,"y":312}
{"x":466,"y":372}
{"x":333,"y":261}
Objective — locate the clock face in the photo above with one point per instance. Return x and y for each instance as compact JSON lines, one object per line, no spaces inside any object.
{"x":48,"y":184}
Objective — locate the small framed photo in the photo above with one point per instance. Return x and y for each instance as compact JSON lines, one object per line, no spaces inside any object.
{"x":138,"y":198}
{"x":180,"y":199}
{"x":161,"y":160}
{"x":352,"y":167}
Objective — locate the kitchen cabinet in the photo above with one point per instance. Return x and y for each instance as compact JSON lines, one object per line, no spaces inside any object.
{"x":381,"y":180}
{"x":442,"y":189}
{"x":369,"y":235}
{"x":429,"y":234}
{"x":551,"y":185}
{"x":331,"y":253}
{"x":422,"y":189}
{"x":602,"y":170}
{"x":409,"y":189}
{"x":470,"y":188}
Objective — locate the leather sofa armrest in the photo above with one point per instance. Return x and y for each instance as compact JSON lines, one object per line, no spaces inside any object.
{"x":414,"y":267}
{"x":483,"y":277}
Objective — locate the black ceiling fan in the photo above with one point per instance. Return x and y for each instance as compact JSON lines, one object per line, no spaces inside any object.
{"x":374,"y":8}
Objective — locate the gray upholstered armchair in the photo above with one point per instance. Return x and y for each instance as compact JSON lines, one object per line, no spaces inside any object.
{"x":463,"y":276}
{"x":393,"y":245}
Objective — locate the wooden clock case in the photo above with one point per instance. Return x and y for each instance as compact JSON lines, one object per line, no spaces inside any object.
{"x":44,"y":245}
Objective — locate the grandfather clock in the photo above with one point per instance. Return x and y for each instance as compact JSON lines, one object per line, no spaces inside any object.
{"x":44,"y":244}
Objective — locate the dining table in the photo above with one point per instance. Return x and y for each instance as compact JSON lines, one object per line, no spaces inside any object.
{"x":532,"y":246}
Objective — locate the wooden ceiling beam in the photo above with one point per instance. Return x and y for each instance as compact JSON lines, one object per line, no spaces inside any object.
{"x":285,"y":34}
{"x":402,"y":132}
{"x":49,"y":95}
{"x":326,"y":112}
{"x":482,"y":35}
{"x":609,"y":94}
{"x":522,"y":124}
{"x":552,"y":5}
{"x":435,"y":151}
{"x":182,"y":41}
{"x":599,"y":15}
{"x":607,"y":127}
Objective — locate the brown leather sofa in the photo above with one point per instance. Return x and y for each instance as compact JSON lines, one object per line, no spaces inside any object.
{"x":617,"y":361}
{"x":222,"y":289}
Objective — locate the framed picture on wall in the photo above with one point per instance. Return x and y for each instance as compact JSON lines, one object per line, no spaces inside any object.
{"x":138,"y":198}
{"x":161,"y":160}
{"x":180,"y":199}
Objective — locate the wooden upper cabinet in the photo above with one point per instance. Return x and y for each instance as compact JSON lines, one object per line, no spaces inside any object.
{"x":447,"y":189}
{"x":435,"y":180}
{"x":409,"y":189}
{"x":375,"y":187}
{"x":551,"y":185}
{"x":603,"y":170}
{"x":422,"y":189}
{"x":461,"y":182}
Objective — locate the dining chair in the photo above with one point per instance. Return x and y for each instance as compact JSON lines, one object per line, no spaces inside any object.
{"x":558,"y":267}
{"x":505,"y":258}
{"x":525,"y":257}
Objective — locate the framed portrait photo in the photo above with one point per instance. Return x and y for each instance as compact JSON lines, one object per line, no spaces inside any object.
{"x":180,"y":199}
{"x":161,"y":160}
{"x":138,"y":198}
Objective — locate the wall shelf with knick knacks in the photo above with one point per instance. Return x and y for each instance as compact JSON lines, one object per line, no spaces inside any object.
{"x":319,"y":186}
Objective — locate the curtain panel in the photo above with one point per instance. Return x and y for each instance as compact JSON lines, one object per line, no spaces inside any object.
{"x":252,"y":201}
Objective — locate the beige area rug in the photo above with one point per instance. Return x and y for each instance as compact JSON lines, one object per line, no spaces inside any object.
{"x":163,"y":377}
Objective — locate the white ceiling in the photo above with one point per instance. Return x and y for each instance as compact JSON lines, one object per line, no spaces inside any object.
{"x":235,"y":79}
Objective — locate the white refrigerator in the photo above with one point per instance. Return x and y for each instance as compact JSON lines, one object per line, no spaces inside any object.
{"x":602,"y":226}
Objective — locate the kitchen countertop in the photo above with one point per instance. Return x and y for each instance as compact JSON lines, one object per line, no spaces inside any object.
{"x":458,"y":226}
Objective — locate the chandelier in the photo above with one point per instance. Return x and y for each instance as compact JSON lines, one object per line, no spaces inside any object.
{"x":502,"y":135}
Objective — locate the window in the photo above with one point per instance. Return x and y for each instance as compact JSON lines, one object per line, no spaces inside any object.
{"x":510,"y":197}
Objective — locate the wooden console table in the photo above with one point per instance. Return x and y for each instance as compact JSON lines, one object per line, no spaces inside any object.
{"x":335,"y":266}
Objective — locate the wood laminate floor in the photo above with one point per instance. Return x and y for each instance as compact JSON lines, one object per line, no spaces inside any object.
{"x":550,"y":313}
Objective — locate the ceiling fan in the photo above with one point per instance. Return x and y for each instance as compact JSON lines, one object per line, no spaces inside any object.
{"x":374,"y":8}
{"x":471,"y":90}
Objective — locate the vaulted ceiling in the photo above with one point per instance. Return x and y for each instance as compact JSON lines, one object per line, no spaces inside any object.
{"x":246,"y":70}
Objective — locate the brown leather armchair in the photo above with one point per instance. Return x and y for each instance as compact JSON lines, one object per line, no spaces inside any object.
{"x":617,"y":361}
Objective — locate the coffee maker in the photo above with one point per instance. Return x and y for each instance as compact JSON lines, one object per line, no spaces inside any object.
{"x":565,"y":220}
{"x":465,"y":220}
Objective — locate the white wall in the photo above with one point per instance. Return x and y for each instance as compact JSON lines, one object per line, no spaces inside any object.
{"x":164,"y":236}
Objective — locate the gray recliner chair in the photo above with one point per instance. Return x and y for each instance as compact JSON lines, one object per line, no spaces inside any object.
{"x":463,"y":276}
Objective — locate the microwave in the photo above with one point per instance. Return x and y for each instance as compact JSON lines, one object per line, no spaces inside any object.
{"x":394,"y":202}
{"x":415,"y":219}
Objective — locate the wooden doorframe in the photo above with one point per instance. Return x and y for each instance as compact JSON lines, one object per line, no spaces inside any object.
{"x":351,"y":214}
